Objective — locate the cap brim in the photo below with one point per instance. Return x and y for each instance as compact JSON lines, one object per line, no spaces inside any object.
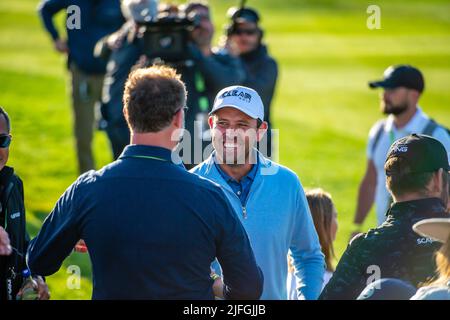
{"x":380,"y":84}
{"x":235,"y":107}
{"x":437,"y":228}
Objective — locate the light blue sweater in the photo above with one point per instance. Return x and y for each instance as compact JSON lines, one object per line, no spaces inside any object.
{"x":278,"y":221}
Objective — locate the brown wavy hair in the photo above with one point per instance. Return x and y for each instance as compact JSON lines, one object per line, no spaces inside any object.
{"x":322,"y":208}
{"x":443,"y":265}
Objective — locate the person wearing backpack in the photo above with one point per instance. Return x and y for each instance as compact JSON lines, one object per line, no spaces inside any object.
{"x":403,"y":86}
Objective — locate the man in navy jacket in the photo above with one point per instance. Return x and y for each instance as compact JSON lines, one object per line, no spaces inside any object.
{"x":151,"y":227}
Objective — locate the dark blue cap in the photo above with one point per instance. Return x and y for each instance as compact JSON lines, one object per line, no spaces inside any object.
{"x":422,"y":153}
{"x":400,"y":76}
{"x":243,"y":15}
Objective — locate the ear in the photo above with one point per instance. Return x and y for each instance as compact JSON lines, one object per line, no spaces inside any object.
{"x":261,"y":34}
{"x":125,"y":113}
{"x":261,"y":131}
{"x":177,"y":120}
{"x":414,"y":96}
{"x":211,"y":121}
{"x":438,"y":179}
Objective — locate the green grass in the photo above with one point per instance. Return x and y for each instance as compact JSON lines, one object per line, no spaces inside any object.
{"x":323,"y":107}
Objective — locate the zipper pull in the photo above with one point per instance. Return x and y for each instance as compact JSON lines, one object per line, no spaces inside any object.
{"x":244,"y":211}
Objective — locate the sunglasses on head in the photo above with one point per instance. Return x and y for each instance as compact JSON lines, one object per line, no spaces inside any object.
{"x":249,"y":32}
{"x":5,"y":140}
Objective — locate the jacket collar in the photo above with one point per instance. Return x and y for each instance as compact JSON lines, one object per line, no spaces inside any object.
{"x":260,"y":51}
{"x":150,"y":152}
{"x":211,"y":172}
{"x":426,"y":208}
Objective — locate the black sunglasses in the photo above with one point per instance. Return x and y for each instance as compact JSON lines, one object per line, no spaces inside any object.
{"x":5,"y":140}
{"x":249,"y":32}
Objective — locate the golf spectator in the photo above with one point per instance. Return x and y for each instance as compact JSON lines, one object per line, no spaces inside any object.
{"x":13,"y":235}
{"x":268,"y":197}
{"x":403,"y":86}
{"x":438,"y":230}
{"x":245,"y":39}
{"x":151,"y":227}
{"x":417,"y":178}
{"x":87,"y":21}
{"x":324,"y":215}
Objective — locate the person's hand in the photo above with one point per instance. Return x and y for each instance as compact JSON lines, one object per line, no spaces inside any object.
{"x":61,"y":46}
{"x":217,"y":285}
{"x":39,"y":286}
{"x":42,"y":288}
{"x":5,"y":247}
{"x":81,"y":247}
{"x":218,"y":288}
{"x":232,"y":47}
{"x":115,"y":41}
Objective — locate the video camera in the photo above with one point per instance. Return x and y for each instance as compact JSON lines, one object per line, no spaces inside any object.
{"x":167,"y":37}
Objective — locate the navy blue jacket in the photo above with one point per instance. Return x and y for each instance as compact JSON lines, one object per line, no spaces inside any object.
{"x":152,"y":230}
{"x":98,"y":19}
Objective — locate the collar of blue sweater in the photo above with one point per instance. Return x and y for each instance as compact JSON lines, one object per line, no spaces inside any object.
{"x":210,"y":171}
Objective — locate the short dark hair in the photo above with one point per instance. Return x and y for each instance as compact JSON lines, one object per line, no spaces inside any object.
{"x":8,"y":122}
{"x":152,"y":96}
{"x":403,"y":181}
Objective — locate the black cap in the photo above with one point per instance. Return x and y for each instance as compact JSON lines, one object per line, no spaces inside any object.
{"x":388,"y":289}
{"x":422,"y":154}
{"x":400,"y":76}
{"x":243,"y":15}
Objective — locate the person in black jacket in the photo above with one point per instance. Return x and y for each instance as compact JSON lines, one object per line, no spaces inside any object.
{"x":417,"y":171}
{"x":13,"y":235}
{"x":244,"y":39}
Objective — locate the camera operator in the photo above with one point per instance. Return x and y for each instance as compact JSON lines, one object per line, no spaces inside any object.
{"x":123,"y":49}
{"x":204,"y":72}
{"x":244,"y":39}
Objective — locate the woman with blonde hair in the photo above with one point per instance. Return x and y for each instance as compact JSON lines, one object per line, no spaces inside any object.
{"x":324,"y":215}
{"x":439,"y":230}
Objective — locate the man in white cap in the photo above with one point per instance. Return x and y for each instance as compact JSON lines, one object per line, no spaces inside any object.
{"x":268,"y":198}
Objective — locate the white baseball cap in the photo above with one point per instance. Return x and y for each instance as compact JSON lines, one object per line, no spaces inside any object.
{"x":436,"y":228}
{"x":242,"y":98}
